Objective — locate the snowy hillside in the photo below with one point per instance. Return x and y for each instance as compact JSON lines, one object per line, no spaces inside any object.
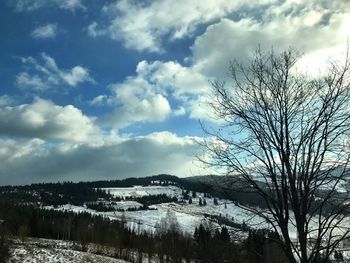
{"x":189,"y":215}
{"x":53,"y":251}
{"x":139,"y":191}
{"x":98,"y":215}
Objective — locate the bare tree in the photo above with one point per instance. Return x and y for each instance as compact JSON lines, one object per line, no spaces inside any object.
{"x":286,"y":135}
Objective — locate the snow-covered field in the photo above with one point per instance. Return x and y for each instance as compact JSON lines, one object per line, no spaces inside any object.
{"x":139,"y":191}
{"x":125,"y":205}
{"x":53,"y":251}
{"x":188,"y":215}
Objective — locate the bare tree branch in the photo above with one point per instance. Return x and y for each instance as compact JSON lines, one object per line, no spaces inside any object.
{"x":287,"y":136}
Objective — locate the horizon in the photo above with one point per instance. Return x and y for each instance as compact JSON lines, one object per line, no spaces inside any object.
{"x":94,"y":181}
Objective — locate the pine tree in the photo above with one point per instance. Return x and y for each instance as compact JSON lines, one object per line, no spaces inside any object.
{"x":224,"y":235}
{"x":338,"y":256}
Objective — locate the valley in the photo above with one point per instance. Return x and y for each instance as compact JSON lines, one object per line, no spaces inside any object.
{"x":124,"y":217}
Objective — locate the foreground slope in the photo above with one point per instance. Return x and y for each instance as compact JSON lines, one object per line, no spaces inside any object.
{"x":53,"y":251}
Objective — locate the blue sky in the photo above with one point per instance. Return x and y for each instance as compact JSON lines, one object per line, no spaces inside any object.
{"x":109,"y":89}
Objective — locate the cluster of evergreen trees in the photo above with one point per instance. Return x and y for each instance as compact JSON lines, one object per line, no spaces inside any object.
{"x":4,"y":247}
{"x":148,"y":200}
{"x":55,"y":193}
{"x":215,"y":246}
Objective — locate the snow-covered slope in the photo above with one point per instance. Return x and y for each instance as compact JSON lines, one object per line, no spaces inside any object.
{"x":139,"y":191}
{"x":188,"y":215}
{"x":53,"y":251}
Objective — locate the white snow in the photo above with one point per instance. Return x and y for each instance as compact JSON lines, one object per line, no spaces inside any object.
{"x":139,"y":191}
{"x":127,"y":205}
{"x":188,"y":215}
{"x":53,"y":251}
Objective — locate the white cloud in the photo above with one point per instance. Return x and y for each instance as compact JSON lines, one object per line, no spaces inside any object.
{"x":71,"y":5}
{"x":12,"y":149}
{"x":28,"y":161}
{"x":134,"y":100}
{"x":142,"y":26}
{"x":48,"y":31}
{"x":78,"y":150}
{"x":28,"y":5}
{"x":172,"y":75}
{"x":23,"y":79}
{"x":188,"y":86}
{"x":180,"y":111}
{"x":200,"y":109}
{"x":44,"y":74}
{"x":303,"y":25}
{"x":5,"y":100}
{"x":93,"y":30}
{"x":76,"y":75}
{"x":320,"y":33}
{"x":144,"y":97}
{"x":99,"y":100}
{"x":43,"y":119}
{"x":32,"y":5}
{"x":292,"y":23}
{"x":308,"y":26}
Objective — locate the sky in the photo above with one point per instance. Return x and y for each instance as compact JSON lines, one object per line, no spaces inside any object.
{"x":109,"y":89}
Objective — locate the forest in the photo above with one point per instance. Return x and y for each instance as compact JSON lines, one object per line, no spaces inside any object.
{"x":77,"y":193}
{"x":167,"y":244}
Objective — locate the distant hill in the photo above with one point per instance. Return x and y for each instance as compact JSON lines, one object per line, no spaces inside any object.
{"x":227,"y":187}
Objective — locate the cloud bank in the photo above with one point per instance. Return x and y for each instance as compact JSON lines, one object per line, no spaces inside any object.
{"x":33,"y":160}
{"x":45,"y":120}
